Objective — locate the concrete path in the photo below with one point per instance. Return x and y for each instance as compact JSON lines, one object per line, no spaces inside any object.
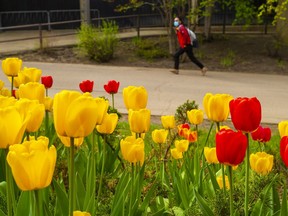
{"x":167,"y":91}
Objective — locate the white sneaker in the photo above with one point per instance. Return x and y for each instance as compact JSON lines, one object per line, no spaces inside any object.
{"x":175,"y":71}
{"x":204,"y":71}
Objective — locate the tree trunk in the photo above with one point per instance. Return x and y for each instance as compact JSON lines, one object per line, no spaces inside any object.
{"x":207,"y":22}
{"x":282,"y":26}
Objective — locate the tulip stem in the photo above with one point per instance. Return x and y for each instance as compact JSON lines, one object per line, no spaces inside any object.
{"x":8,"y":188}
{"x":223,"y":178}
{"x":231,"y":189}
{"x":46,"y":123}
{"x":210,"y":129}
{"x":102,"y":168}
{"x":12,"y":83}
{"x":38,"y":203}
{"x":71,"y":177}
{"x":247,"y":176}
{"x":113,"y":101}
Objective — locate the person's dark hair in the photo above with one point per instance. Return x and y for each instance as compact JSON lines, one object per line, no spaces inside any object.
{"x":181,"y":20}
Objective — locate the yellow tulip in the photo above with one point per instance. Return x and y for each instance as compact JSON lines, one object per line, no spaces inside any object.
{"x":11,"y":66}
{"x":168,"y":121}
{"x":217,"y":106}
{"x":1,"y":84}
{"x":32,"y":91}
{"x":220,"y":182}
{"x":139,"y":120}
{"x":135,"y":97}
{"x":132,"y":149}
{"x":210,"y":155}
{"x":74,"y":114}
{"x":195,"y":116}
{"x":182,"y":145}
{"x":176,"y":154}
{"x":261,"y":162}
{"x":79,"y":213}
{"x":101,"y":109}
{"x":283,"y":128}
{"x":67,"y":141}
{"x":7,"y":101}
{"x":27,"y":75}
{"x":48,"y":103}
{"x":109,"y":124}
{"x":33,"y":110}
{"x":5,"y":92}
{"x":32,"y":163}
{"x":12,"y":126}
{"x":159,"y":135}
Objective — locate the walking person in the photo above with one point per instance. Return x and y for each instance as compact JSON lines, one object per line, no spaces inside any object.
{"x":184,"y":46}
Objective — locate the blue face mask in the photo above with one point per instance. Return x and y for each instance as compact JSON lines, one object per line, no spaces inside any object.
{"x":176,"y":23}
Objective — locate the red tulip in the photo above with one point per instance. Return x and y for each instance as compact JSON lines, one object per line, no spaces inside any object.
{"x":230,"y":147}
{"x":182,"y":128}
{"x":261,"y":134}
{"x":86,"y":86}
{"x":112,"y":87}
{"x":245,"y":113}
{"x":47,"y":81}
{"x":284,"y":149}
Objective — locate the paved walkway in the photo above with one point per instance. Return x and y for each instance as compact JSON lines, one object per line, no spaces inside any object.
{"x":166,"y":90}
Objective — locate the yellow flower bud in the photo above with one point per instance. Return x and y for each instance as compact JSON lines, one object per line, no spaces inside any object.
{"x":261,"y":162}
{"x":139,"y":120}
{"x":132,"y":149}
{"x":217,"y":106}
{"x":1,"y":84}
{"x":48,"y":103}
{"x":135,"y":97}
{"x":176,"y":154}
{"x":109,"y":124}
{"x":7,"y":101}
{"x":101,"y":109}
{"x":159,"y":135}
{"x":220,"y":182}
{"x":283,"y":128}
{"x":79,"y":213}
{"x":195,"y":116}
{"x":11,"y":66}
{"x":32,"y":91}
{"x":210,"y":155}
{"x":32,"y":163}
{"x":182,"y":145}
{"x":168,"y":121}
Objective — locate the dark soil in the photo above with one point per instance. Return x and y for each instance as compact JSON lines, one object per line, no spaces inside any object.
{"x":235,"y":53}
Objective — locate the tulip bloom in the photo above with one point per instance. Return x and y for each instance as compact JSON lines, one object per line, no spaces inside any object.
{"x":261,"y":162}
{"x":217,"y":106}
{"x":182,"y":129}
{"x":230,"y":147}
{"x":34,"y":110}
{"x":210,"y":155}
{"x":12,"y":126}
{"x":245,"y":113}
{"x":86,"y":86}
{"x":67,"y":141}
{"x":219,"y":180}
{"x":182,"y":145}
{"x":168,"y":121}
{"x":195,"y":116}
{"x":27,"y":75}
{"x":109,"y":124}
{"x":132,"y":149}
{"x":176,"y":154}
{"x":191,"y":136}
{"x":11,"y":66}
{"x":139,"y":120}
{"x":101,"y":109}
{"x":284,"y":150}
{"x":159,"y":135}
{"x":47,"y":81}
{"x":32,"y":91}
{"x":32,"y":163}
{"x":112,"y":87}
{"x":135,"y":98}
{"x":283,"y":128}
{"x":261,"y":134}
{"x":48,"y":103}
{"x":74,"y":114}
{"x":79,"y":213}
{"x":7,"y":101}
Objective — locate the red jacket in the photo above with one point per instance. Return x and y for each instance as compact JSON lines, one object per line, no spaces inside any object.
{"x":183,"y":36}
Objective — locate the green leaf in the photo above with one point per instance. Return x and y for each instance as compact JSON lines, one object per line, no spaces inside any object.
{"x":62,"y":199}
{"x":23,"y":205}
{"x":3,"y":188}
{"x":203,"y":204}
{"x":81,"y":192}
{"x":284,"y":200}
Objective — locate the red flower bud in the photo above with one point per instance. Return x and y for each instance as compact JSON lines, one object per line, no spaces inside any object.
{"x":86,"y":86}
{"x":261,"y":134}
{"x":230,"y":147}
{"x":112,"y":87}
{"x":284,"y":150}
{"x":47,"y":81}
{"x":245,"y":113}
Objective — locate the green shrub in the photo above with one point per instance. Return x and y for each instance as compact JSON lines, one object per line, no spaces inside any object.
{"x":229,"y":59}
{"x":181,"y":111}
{"x":149,"y":49}
{"x":98,"y":43}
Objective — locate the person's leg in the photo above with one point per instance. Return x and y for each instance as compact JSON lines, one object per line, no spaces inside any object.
{"x":190,"y":54}
{"x":176,"y":56}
